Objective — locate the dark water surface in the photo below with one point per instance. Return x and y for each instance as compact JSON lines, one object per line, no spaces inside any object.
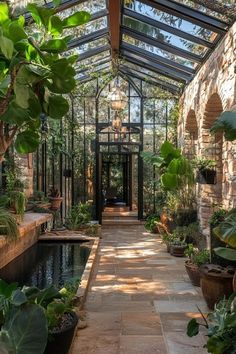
{"x":47,"y":263}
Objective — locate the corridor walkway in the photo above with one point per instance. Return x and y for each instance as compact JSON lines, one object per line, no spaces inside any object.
{"x":140,"y":299}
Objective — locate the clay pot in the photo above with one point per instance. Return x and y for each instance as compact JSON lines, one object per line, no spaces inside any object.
{"x":193,"y":273}
{"x":177,"y":250}
{"x":216,"y":283}
{"x":55,"y":202}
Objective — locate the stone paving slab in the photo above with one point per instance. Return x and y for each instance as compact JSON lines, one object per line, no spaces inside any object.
{"x":140,"y":299}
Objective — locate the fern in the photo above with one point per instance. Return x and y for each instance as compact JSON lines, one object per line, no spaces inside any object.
{"x":8,"y":225}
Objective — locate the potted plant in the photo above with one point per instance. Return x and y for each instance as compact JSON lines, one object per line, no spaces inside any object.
{"x":206,"y":172}
{"x":17,"y":202}
{"x":151,"y":223}
{"x":36,"y":321}
{"x":179,"y":245}
{"x":167,"y":238}
{"x":55,"y":199}
{"x":220,"y":327}
{"x":195,"y":259}
{"x":79,"y":217}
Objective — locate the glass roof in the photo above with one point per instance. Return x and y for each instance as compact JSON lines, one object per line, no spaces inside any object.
{"x":163,"y":42}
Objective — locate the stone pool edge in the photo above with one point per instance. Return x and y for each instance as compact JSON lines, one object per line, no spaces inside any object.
{"x":87,"y":274}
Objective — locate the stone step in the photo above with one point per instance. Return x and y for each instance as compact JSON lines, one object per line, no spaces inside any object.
{"x":116,"y":209}
{"x":122,"y":214}
{"x":121,"y":222}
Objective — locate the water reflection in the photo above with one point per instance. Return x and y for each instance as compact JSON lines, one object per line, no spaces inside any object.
{"x":47,"y":263}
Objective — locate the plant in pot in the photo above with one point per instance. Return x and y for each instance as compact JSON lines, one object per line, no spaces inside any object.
{"x":167,"y":239}
{"x":79,"y":217}
{"x":179,"y":245}
{"x":36,"y":321}
{"x":206,"y":172}
{"x":55,"y":199}
{"x":17,"y":202}
{"x":220,"y":327}
{"x":195,"y":259}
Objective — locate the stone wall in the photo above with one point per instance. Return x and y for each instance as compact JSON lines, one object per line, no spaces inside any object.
{"x":25,"y":164}
{"x":212,"y":91}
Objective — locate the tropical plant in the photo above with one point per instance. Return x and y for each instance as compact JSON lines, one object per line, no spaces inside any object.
{"x":54,"y":193}
{"x":8,"y":225}
{"x":220,"y":326}
{"x":78,"y":216}
{"x":34,"y":76}
{"x":217,"y":217}
{"x":226,"y":123}
{"x":18,"y":201}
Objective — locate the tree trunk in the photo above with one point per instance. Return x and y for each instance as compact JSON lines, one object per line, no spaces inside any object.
{"x":217,"y":6}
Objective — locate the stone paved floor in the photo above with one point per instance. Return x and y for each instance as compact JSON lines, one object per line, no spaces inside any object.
{"x":140,"y":299}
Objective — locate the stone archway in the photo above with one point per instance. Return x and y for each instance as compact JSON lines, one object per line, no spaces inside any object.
{"x":191,"y":135}
{"x":211,"y":148}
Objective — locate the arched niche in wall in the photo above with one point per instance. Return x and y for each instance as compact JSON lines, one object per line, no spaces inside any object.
{"x":191,"y":135}
{"x":211,"y":148}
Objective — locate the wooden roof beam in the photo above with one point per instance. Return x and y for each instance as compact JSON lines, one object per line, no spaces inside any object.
{"x":114,"y":8}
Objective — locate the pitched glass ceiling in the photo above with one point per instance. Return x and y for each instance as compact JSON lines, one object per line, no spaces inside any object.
{"x":161,"y":41}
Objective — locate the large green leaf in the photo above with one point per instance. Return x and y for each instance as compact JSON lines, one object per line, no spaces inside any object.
{"x":226,"y":231}
{"x":54,"y":46}
{"x":77,"y":19}
{"x":58,"y":106}
{"x":169,"y":152}
{"x":22,"y":93}
{"x":226,"y":253}
{"x":193,"y":328}
{"x":169,"y":181}
{"x":226,"y":123}
{"x":59,"y":85}
{"x":41,"y":15}
{"x":27,"y":142}
{"x":16,"y":32}
{"x":15,"y":114}
{"x":7,"y":46}
{"x":25,"y":330}
{"x":18,"y":298}
{"x":4,"y":12}
{"x":55,"y":26}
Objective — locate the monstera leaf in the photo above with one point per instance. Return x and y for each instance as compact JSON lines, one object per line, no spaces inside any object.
{"x":169,"y":152}
{"x":226,"y":123}
{"x":226,"y":231}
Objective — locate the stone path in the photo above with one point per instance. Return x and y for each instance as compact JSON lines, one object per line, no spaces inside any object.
{"x":140,"y":299}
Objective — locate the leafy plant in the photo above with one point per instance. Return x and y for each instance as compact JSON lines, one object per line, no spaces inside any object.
{"x":8,"y":225}
{"x":78,"y":215}
{"x":217,"y":217}
{"x":18,"y":201}
{"x":54,"y":193}
{"x":202,"y":163}
{"x":34,"y":76}
{"x":221,"y":327}
{"x":151,"y":223}
{"x":226,"y":123}
{"x":196,"y":256}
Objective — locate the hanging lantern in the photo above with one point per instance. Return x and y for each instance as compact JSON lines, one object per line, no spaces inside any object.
{"x":117,"y":99}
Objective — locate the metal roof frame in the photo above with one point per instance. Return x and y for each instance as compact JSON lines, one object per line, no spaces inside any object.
{"x":159,"y":25}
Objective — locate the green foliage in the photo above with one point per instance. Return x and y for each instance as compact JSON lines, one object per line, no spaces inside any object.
{"x":221,"y":327}
{"x":226,"y":230}
{"x":18,"y":201}
{"x":34,"y":76}
{"x":150,"y":223}
{"x":225,"y":123}
{"x":78,"y":216}
{"x":202,"y":163}
{"x":226,"y":253}
{"x":217,"y":217}
{"x":196,"y":256}
{"x":8,"y":225}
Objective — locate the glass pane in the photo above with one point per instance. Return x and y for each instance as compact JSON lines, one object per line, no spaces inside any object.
{"x":164,"y":36}
{"x":160,"y":52}
{"x":172,"y":20}
{"x":92,"y":6}
{"x":89,"y":27}
{"x":90,"y":45}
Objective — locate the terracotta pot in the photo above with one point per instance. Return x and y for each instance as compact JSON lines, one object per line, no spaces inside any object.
{"x":193,"y":273}
{"x":234,"y":282}
{"x":177,"y":250}
{"x":55,"y":202}
{"x":60,"y":340}
{"x":216,"y":283}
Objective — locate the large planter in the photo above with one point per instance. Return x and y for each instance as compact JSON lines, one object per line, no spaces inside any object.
{"x":55,"y":202}
{"x":60,"y":340}
{"x":177,"y":250}
{"x":216,"y":283}
{"x":193,"y":273}
{"x":206,"y":176}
